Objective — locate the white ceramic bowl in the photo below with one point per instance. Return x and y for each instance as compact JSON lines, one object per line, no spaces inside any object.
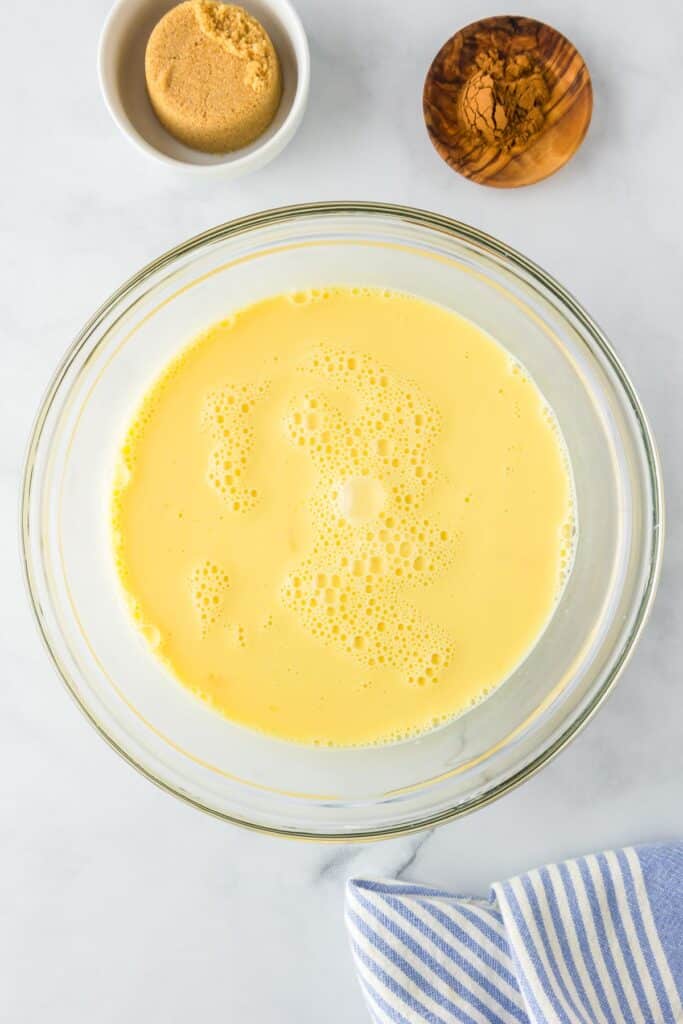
{"x":121,"y":65}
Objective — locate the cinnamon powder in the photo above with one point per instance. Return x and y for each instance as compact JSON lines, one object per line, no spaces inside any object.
{"x":503,"y":99}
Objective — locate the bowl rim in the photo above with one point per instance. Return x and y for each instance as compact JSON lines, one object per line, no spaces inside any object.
{"x":463,"y":232}
{"x":234,"y":165}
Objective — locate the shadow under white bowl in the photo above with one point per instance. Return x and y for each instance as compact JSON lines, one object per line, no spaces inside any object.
{"x":121,"y":65}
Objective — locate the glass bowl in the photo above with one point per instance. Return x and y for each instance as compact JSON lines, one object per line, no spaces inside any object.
{"x":249,"y":778}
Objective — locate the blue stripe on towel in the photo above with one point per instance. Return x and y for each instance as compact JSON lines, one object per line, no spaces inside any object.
{"x":421,"y":978}
{"x":598,"y":940}
{"x":563,"y":942}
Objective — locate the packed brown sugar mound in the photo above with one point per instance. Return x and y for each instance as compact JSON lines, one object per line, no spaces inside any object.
{"x":213,"y":75}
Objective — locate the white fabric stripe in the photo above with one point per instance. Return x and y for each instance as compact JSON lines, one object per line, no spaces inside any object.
{"x":403,"y":979}
{"x":393,"y":1000}
{"x":615,"y":946}
{"x":527,"y":965}
{"x":528,"y":915}
{"x":444,"y":902}
{"x":594,"y":946}
{"x":554,"y":942}
{"x":468,"y":955}
{"x":373,"y":990}
{"x":441,"y":986}
{"x":369,"y":981}
{"x":374,"y":1010}
{"x":494,"y":924}
{"x":489,"y":947}
{"x":651,"y":930}
{"x":565,"y":913}
{"x":631,"y":934}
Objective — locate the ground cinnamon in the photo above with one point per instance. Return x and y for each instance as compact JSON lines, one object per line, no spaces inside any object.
{"x":507,"y":101}
{"x":504,"y":97}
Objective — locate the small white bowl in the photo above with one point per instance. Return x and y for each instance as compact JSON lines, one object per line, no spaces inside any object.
{"x":121,"y":66}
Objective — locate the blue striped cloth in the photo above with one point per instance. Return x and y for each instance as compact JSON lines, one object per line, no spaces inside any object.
{"x":597,"y":939}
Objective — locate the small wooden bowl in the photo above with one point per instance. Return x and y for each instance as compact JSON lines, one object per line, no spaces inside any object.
{"x":507,"y":101}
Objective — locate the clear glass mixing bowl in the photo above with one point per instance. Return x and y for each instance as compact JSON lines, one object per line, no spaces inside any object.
{"x":263,"y":783}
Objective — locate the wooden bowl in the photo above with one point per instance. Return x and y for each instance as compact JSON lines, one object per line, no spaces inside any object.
{"x":507,"y":101}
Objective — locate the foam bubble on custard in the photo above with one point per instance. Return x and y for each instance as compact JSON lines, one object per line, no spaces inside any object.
{"x":372,"y":542}
{"x":569,"y":529}
{"x":361,"y":498}
{"x":228,"y":417}
{"x":391,"y":435}
{"x":356,"y":606}
{"x":208,"y":586}
{"x":304,"y":296}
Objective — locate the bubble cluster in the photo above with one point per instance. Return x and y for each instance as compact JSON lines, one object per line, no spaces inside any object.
{"x":145,"y":412}
{"x":569,"y":529}
{"x":122,"y":477}
{"x":304,"y":296}
{"x":358,"y":610}
{"x":568,"y":535}
{"x":228,"y":416}
{"x":133,"y":436}
{"x":353,"y":592}
{"x":390,"y":437}
{"x":208,"y":586}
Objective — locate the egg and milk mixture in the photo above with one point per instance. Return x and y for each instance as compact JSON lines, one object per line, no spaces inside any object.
{"x":342,"y":516}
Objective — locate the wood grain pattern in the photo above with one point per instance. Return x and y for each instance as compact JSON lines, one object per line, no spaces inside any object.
{"x":507,"y":101}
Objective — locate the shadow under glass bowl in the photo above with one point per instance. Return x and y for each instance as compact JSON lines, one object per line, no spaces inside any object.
{"x":264,"y":783}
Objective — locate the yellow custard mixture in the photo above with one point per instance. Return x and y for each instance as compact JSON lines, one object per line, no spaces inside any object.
{"x":342,"y":517}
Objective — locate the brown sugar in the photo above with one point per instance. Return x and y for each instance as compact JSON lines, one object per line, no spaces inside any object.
{"x":213,"y":75}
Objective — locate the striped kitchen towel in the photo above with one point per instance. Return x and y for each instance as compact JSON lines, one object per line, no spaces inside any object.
{"x":597,"y":939}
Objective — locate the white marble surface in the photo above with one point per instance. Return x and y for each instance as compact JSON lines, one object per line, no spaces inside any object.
{"x":118,"y":902}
